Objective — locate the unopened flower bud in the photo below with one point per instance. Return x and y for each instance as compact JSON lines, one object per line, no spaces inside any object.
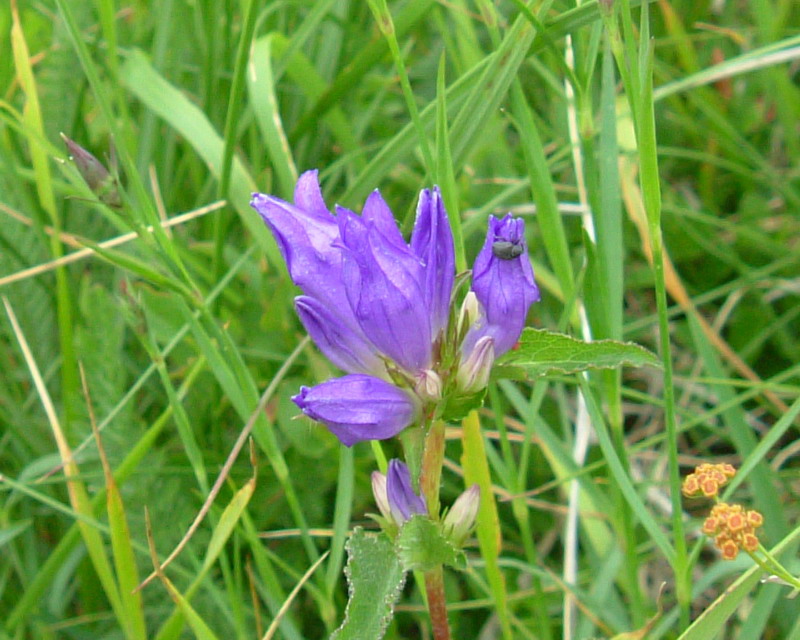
{"x":428,"y":385}
{"x":469,"y":313}
{"x":403,"y":502}
{"x":380,"y":493}
{"x":503,"y":282}
{"x":461,"y":518}
{"x":97,"y":177}
{"x":473,"y":373}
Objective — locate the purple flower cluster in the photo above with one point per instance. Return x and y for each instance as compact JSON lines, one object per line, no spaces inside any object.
{"x":378,"y":307}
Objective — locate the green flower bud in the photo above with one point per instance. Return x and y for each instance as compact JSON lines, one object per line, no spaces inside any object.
{"x":460,"y":519}
{"x":94,"y":174}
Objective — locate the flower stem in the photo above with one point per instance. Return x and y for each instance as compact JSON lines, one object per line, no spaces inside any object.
{"x":437,"y":604}
{"x":430,"y":479}
{"x":774,"y":567}
{"x":431,"y":474}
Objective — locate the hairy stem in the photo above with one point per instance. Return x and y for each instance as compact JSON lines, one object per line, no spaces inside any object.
{"x":437,"y":604}
{"x":431,"y":474}
{"x":430,"y":479}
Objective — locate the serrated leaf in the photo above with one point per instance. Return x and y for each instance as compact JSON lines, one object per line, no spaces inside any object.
{"x":541,"y":352}
{"x":375,"y":581}
{"x":421,"y":546}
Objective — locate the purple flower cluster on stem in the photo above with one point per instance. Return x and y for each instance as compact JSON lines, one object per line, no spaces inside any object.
{"x":379,"y":307}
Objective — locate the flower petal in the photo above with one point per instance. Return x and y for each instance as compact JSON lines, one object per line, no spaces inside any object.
{"x":382,"y":281}
{"x":359,"y":407}
{"x":403,"y":502}
{"x":308,"y":195}
{"x":306,"y":241}
{"x":432,"y":242}
{"x":337,"y":335}
{"x":377,"y":212}
{"x":381,"y":496}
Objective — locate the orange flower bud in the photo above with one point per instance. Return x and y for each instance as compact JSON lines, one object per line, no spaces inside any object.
{"x":710,"y":525}
{"x":709,"y":487}
{"x":754,"y":519}
{"x":729,"y":550}
{"x":728,"y":469}
{"x":690,"y":486}
{"x":736,"y":522}
{"x":749,"y":542}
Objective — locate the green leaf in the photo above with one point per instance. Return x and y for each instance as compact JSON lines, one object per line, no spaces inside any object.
{"x":8,"y":533}
{"x":199,"y":627}
{"x":231,"y":515}
{"x":124,"y":559}
{"x":541,"y":352}
{"x":421,"y":546}
{"x":375,"y":580}
{"x":169,"y":103}
{"x":475,"y":463}
{"x":457,"y":407}
{"x":261,"y":88}
{"x":227,"y":522}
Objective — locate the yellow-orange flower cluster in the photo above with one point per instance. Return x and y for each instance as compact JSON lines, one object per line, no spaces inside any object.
{"x":707,"y":480}
{"x":733,"y":528}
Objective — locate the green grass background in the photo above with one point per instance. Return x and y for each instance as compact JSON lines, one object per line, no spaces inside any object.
{"x":653,"y":151}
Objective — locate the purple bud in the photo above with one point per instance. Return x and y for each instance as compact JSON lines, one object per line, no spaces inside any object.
{"x":432,"y":242}
{"x":403,"y":502}
{"x":359,"y":407}
{"x":94,"y":174}
{"x":502,"y":279}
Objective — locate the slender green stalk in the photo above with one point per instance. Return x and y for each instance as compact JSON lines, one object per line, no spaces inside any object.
{"x":231,"y":124}
{"x":651,"y":192}
{"x":386,"y":25}
{"x":476,"y":471}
